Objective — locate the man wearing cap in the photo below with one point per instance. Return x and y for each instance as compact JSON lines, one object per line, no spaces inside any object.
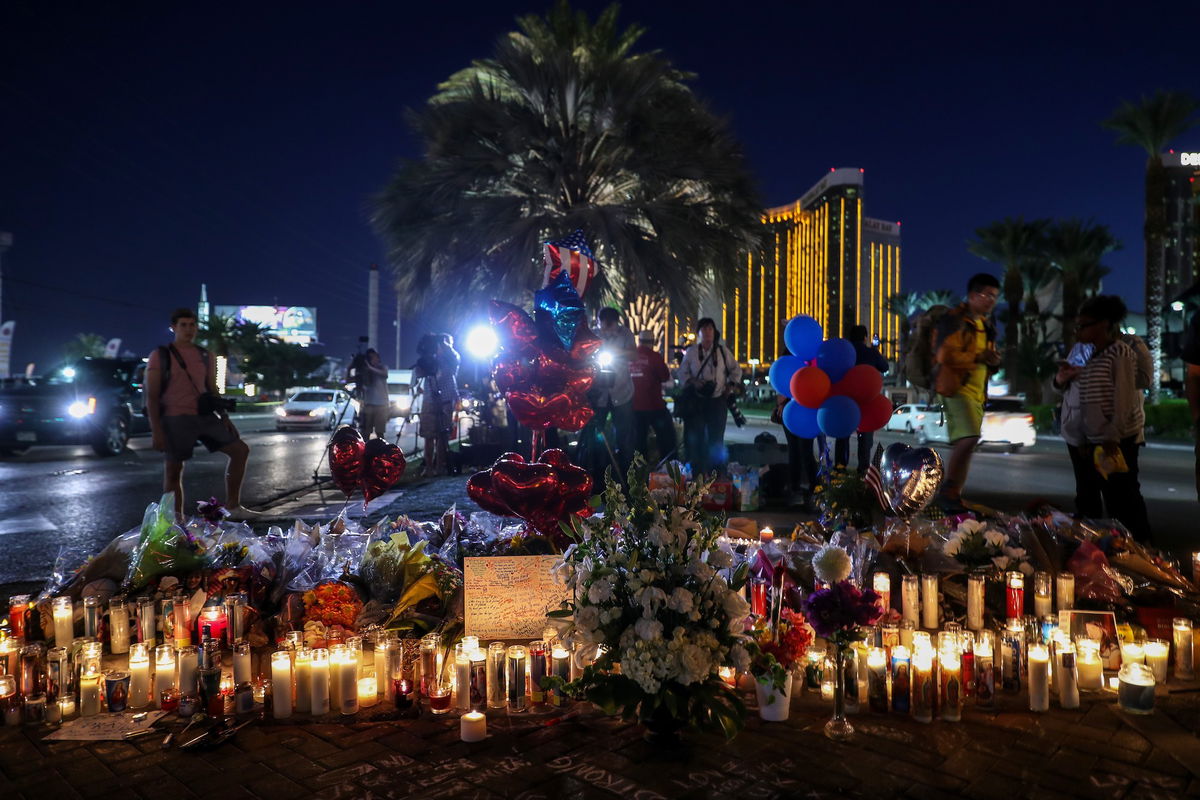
{"x":649,"y":372}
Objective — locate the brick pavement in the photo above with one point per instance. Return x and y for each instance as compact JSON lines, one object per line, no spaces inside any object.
{"x":1096,"y":752}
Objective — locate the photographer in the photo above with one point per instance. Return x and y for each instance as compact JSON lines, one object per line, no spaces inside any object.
{"x":183,"y":407}
{"x":710,"y":376}
{"x":611,"y":395}
{"x":372,"y":387}
{"x":436,"y":375}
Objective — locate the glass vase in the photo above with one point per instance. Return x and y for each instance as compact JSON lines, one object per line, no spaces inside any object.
{"x":839,"y":728}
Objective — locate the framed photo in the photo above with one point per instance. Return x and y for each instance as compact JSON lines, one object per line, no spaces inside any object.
{"x":1098,"y":625}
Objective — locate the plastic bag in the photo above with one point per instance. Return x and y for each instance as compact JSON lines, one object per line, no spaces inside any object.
{"x":163,"y":547}
{"x":390,"y":565}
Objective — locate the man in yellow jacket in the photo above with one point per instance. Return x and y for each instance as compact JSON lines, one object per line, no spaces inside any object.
{"x":964,"y":349}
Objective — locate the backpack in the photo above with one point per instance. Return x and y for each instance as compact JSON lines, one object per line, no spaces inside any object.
{"x":919,"y":362}
{"x":164,"y":367}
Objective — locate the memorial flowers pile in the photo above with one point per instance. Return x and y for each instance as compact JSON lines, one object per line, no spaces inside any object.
{"x":976,"y":544}
{"x":655,"y":594}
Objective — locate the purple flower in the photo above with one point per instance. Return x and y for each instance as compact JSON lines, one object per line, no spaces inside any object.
{"x":841,"y":608}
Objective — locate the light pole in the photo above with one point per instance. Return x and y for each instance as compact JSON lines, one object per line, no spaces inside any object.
{"x":6,"y":240}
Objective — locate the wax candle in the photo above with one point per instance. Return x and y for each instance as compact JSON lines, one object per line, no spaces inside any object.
{"x":881,"y":582}
{"x":304,"y":674}
{"x":235,"y":618}
{"x":139,"y":675}
{"x":929,"y":601}
{"x":849,"y":667}
{"x":495,"y":675}
{"x":9,"y":650}
{"x":368,"y":691}
{"x":319,"y":669}
{"x":1181,"y":631}
{"x":213,"y":616}
{"x":910,"y":599}
{"x":29,"y":678}
{"x":53,"y":711}
{"x":1066,"y":674}
{"x":343,"y":664}
{"x":923,"y":686}
{"x":242,"y":672}
{"x":118,"y":626}
{"x":1132,"y":653}
{"x":1135,"y":688}
{"x":950,"y":698}
{"x":877,"y":680}
{"x":164,"y":671}
{"x":1043,"y":602}
{"x":813,"y":665}
{"x":1065,"y":590}
{"x":906,"y":634}
{"x":515,"y":679}
{"x":966,"y":651}
{"x":189,"y":662}
{"x":985,"y":673}
{"x":1157,"y":653}
{"x":58,"y":672}
{"x":1039,"y":678}
{"x":18,"y":605}
{"x":89,"y":695}
{"x":383,"y":667}
{"x":861,"y":653}
{"x":91,"y":617}
{"x":9,"y":701}
{"x":430,"y":665}
{"x":462,"y":677}
{"x":901,"y":679}
{"x":1014,"y":595}
{"x":147,"y":621}
{"x":1012,"y":645}
{"x":337,"y":657}
{"x":1088,"y":664}
{"x":281,"y":684}
{"x":478,"y":684}
{"x":181,"y":615}
{"x":976,"y":586}
{"x":472,"y":727}
{"x":63,"y":609}
{"x":765,"y":535}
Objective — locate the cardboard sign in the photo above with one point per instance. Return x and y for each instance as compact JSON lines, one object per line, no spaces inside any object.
{"x":507,"y":597}
{"x":104,"y":727}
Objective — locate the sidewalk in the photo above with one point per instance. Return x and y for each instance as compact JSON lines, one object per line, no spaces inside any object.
{"x":1095,"y":752}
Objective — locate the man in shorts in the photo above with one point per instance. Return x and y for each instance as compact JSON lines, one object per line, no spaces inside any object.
{"x":964,"y":346}
{"x":172,"y":395}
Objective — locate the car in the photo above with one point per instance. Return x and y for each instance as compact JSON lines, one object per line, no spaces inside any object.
{"x":316,"y":408}
{"x":904,"y":418}
{"x":1006,"y":423}
{"x":96,"y":401}
{"x":400,"y":394}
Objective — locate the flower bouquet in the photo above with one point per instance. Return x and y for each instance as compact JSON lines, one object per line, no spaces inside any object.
{"x":978,"y":545}
{"x":656,"y":595}
{"x":776,"y":650}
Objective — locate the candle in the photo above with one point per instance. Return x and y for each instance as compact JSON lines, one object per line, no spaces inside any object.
{"x":1157,"y":652}
{"x":1135,"y":688}
{"x":384,"y":647}
{"x":495,"y":675}
{"x":889,"y":637}
{"x":343,"y":663}
{"x":910,"y":599}
{"x":89,"y":695}
{"x":430,"y":643}
{"x":1039,"y":678}
{"x":1012,"y":645}
{"x":929,"y":601}
{"x":189,"y":662}
{"x":182,"y":616}
{"x":1088,"y":664}
{"x":861,"y":652}
{"x":91,"y":617}
{"x":907,"y":629}
{"x":923,"y":686}
{"x":827,"y":688}
{"x":1065,"y":585}
{"x":319,"y":670}
{"x":900,"y":679}
{"x":472,"y":727}
{"x":64,"y":621}
{"x":303,"y":666}
{"x":985,"y":673}
{"x":9,"y":701}
{"x":1015,"y":595}
{"x":336,"y":658}
{"x":147,"y":621}
{"x":478,"y":687}
{"x":1181,"y":630}
{"x":877,"y":680}
{"x":118,"y":626}
{"x":213,"y":617}
{"x":462,"y":677}
{"x":9,"y":649}
{"x":53,"y":711}
{"x":368,"y":691}
{"x":976,"y":585}
{"x":164,"y":671}
{"x":18,"y":604}
{"x":814,"y":662}
{"x":1043,"y":603}
{"x":281,"y":684}
{"x":881,"y":582}
{"x":241,"y":663}
{"x":849,"y":667}
{"x":1066,"y":674}
{"x":1132,"y":653}
{"x":515,"y":679}
{"x":139,"y":675}
{"x":950,"y":697}
{"x":235,"y":618}
{"x":966,"y":649}
{"x":58,"y":672}
{"x":766,"y":535}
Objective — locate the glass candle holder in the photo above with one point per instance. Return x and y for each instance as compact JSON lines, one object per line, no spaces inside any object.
{"x":910,"y":599}
{"x":118,"y":626}
{"x":1132,"y":653}
{"x":950,"y":696}
{"x":1181,"y":632}
{"x":901,"y":679}
{"x":1157,"y":653}
{"x":18,"y":605}
{"x":1039,"y":677}
{"x":1043,"y":601}
{"x":139,"y":675}
{"x":976,"y":590}
{"x":303,"y":669}
{"x":1088,"y":664}
{"x":1135,"y":688}
{"x":91,"y":617}
{"x":478,"y":684}
{"x":985,"y":673}
{"x":63,"y":610}
{"x":189,"y":663}
{"x":929,"y":602}
{"x":242,"y":668}
{"x":1066,"y":674}
{"x":164,"y":671}
{"x":1064,"y":584}
{"x":1014,"y":595}
{"x":430,"y":661}
{"x":281,"y":683}
{"x":495,"y":675}
{"x":881,"y":582}
{"x":319,"y":701}
{"x":147,"y":621}
{"x":182,"y":615}
{"x":515,"y":679}
{"x":877,"y":680}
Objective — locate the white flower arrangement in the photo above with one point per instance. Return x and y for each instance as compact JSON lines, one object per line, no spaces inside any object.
{"x":832,"y":564}
{"x":976,"y":544}
{"x":655,"y":593}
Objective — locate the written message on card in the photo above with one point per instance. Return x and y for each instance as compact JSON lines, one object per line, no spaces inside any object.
{"x":507,"y":597}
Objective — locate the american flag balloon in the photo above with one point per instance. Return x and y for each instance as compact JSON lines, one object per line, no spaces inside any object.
{"x":573,"y":255}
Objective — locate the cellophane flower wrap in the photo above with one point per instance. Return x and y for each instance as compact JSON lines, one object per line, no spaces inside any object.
{"x":976,"y":544}
{"x":655,"y":593}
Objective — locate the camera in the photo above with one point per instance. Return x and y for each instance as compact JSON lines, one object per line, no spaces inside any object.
{"x":739,"y":418}
{"x":209,"y":403}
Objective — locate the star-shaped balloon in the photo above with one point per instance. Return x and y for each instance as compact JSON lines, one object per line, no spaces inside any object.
{"x":559,"y":308}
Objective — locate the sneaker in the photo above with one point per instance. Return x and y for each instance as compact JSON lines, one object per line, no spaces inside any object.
{"x":242,"y":514}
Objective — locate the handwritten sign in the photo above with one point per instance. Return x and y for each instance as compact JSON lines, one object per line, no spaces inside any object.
{"x":104,"y":727}
{"x":507,"y":597}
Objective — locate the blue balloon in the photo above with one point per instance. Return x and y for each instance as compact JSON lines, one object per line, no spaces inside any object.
{"x":839,"y":416}
{"x":801,"y":420}
{"x":803,"y":336}
{"x":559,"y":309}
{"x":781,"y":372}
{"x":836,"y":357}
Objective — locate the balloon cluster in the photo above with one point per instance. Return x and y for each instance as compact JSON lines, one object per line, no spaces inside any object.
{"x":545,"y":365}
{"x":373,"y":466}
{"x":830,"y":394}
{"x":541,"y":492}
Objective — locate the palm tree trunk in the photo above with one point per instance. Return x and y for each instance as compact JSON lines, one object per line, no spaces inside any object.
{"x":1014,"y":288}
{"x":1156,"y":225}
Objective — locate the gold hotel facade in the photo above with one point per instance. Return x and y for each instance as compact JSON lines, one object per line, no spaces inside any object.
{"x":823,"y":258}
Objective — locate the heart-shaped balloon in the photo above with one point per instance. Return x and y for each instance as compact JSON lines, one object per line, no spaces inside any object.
{"x":575,"y":484}
{"x":539,"y":411}
{"x":526,"y":488}
{"x":383,"y":464}
{"x":515,"y":373}
{"x":910,"y":476}
{"x":514,"y":327}
{"x":346,"y":458}
{"x":479,"y":489}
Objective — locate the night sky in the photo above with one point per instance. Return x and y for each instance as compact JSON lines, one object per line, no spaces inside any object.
{"x":145,"y":149}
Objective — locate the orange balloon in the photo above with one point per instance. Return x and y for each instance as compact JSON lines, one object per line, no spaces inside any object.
{"x":810,"y":386}
{"x":876,"y":411}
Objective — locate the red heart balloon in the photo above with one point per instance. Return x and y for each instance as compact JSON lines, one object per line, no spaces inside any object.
{"x":514,"y":327}
{"x":574,"y":418}
{"x":515,"y":373}
{"x":575,"y":484}
{"x":479,"y":489}
{"x":539,"y":411}
{"x":524,"y":487}
{"x":346,"y":458}
{"x":585,"y":345}
{"x":383,"y":464}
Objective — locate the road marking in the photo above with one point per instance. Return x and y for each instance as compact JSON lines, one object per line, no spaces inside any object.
{"x":27,"y":523}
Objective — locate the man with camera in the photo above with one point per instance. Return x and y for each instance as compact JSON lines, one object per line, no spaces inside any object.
{"x":184,"y":407}
{"x":712,"y":380}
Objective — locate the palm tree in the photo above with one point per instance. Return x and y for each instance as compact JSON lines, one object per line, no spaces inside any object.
{"x":1151,"y":125}
{"x":1010,"y":243}
{"x":938,"y":297}
{"x":566,"y":126}
{"x":215,"y":335}
{"x":1075,"y":248}
{"x":84,"y":345}
{"x":1036,"y":274}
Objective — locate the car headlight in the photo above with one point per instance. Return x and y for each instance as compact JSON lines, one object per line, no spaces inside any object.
{"x":280,"y":411}
{"x":80,"y":409}
{"x":404,"y":403}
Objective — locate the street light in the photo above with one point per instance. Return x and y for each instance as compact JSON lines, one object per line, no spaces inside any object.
{"x":753,"y":362}
{"x":1177,"y":306}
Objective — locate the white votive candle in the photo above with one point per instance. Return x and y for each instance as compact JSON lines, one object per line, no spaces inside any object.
{"x":368,"y":691}
{"x":345,"y":674}
{"x":89,"y":695}
{"x":929,"y":602}
{"x":64,"y":621}
{"x":1091,"y":669}
{"x":139,"y":675}
{"x":472,"y":727}
{"x":1065,"y":585}
{"x":1039,"y":678}
{"x":242,"y":672}
{"x":1157,"y":654}
{"x":1066,"y":674}
{"x":281,"y":684}
{"x":303,"y":680}
{"x":118,"y":626}
{"x":164,"y":671}
{"x":910,"y":599}
{"x":1181,"y":631}
{"x":1132,"y":653}
{"x":320,"y":681}
{"x":881,"y":582}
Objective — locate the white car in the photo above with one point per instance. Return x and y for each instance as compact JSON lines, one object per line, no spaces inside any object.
{"x":1006,"y":422}
{"x":905,"y":417}
{"x":400,"y":394}
{"x":316,"y":408}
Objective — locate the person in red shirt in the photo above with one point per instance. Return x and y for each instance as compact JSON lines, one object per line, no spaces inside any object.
{"x":649,"y":372}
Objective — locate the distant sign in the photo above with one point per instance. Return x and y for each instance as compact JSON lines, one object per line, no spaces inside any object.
{"x":508,"y":597}
{"x":295,"y":324}
{"x":6,"y":337}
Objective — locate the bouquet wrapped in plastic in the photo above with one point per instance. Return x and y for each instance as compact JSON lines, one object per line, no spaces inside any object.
{"x":163,"y":547}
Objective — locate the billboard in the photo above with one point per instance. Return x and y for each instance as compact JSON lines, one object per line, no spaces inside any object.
{"x":295,"y":324}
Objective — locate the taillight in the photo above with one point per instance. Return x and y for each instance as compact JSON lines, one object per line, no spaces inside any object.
{"x":1029,"y":418}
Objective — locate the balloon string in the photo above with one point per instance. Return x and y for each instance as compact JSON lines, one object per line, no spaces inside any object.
{"x":537,"y":442}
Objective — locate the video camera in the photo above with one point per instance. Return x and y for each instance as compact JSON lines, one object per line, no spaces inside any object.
{"x":732,"y":393}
